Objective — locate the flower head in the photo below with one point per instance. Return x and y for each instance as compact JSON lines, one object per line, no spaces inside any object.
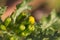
{"x":31,"y":20}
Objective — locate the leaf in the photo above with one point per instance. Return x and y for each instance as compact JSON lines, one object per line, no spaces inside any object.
{"x":52,"y":20}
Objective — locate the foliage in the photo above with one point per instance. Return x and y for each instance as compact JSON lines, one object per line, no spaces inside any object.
{"x":22,"y":26}
{"x":48,"y":28}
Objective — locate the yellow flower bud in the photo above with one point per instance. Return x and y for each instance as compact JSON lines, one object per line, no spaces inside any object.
{"x":24,"y":34}
{"x":31,"y":28}
{"x":31,"y":20}
{"x":3,"y":27}
{"x":7,"y":22}
{"x":24,"y":14}
{"x":22,"y":27}
{"x":12,"y":38}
